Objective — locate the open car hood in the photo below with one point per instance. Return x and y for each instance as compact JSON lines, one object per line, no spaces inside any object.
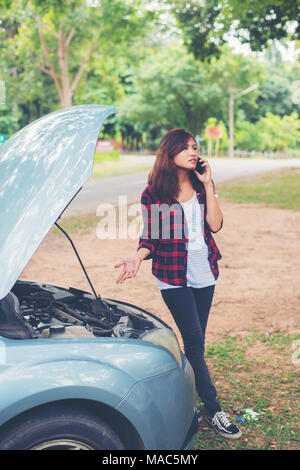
{"x":42,"y":167}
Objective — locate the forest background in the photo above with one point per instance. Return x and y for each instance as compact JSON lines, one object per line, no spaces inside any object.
{"x":161,"y":64}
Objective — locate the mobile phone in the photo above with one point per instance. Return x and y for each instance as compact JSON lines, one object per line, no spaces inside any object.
{"x":199,"y":167}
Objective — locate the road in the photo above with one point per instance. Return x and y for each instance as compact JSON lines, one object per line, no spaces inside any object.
{"x":108,"y":190}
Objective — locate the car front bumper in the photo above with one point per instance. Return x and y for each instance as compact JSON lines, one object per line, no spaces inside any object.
{"x":162,"y":409}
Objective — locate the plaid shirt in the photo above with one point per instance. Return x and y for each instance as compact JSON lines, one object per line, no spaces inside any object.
{"x":169,"y":255}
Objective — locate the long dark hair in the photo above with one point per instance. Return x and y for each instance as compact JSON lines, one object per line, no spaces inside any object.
{"x":163,"y":176}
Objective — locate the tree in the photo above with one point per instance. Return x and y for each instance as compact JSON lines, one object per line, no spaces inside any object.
{"x":277,"y":91}
{"x":239,"y":72}
{"x":206,"y":24}
{"x":172,"y":89}
{"x":264,"y":20}
{"x":62,"y":38}
{"x":280,"y":133}
{"x":198,"y":21}
{"x":248,"y":135}
{"x":270,"y":132}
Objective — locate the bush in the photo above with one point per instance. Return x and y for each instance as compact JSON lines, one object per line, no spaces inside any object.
{"x":248,"y":136}
{"x":269,"y":133}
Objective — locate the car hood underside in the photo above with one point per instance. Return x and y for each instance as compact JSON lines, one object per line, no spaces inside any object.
{"x":42,"y":167}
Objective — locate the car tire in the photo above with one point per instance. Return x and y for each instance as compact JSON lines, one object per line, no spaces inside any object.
{"x":60,"y":428}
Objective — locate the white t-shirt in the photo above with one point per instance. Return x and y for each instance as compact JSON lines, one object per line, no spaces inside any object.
{"x":199,"y":273}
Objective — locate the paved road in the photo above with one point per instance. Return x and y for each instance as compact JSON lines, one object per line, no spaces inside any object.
{"x":108,"y":190}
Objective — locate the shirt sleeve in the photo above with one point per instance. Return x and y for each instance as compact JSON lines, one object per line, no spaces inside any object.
{"x":145,"y":240}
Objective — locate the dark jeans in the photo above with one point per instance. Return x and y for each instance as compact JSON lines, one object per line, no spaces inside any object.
{"x":190,"y":308}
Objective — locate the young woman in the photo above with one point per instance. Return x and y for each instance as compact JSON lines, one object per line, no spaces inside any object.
{"x":184,"y":254}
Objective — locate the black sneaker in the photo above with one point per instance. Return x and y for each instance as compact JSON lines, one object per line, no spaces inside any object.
{"x":221,"y":423}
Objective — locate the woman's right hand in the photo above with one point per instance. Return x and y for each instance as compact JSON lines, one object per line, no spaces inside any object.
{"x":130,"y":268}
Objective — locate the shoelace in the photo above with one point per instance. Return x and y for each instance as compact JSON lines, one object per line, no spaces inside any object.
{"x":223,"y":418}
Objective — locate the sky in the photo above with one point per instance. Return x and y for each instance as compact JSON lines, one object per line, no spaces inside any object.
{"x":239,"y":48}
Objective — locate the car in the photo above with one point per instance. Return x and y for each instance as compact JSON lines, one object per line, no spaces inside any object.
{"x":77,"y":371}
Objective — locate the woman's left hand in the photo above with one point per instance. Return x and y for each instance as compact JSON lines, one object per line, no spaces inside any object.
{"x":205,"y":178}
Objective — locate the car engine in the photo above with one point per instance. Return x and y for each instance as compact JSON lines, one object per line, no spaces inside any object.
{"x":34,"y":310}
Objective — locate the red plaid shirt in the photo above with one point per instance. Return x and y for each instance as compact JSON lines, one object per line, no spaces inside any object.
{"x":169,"y":255}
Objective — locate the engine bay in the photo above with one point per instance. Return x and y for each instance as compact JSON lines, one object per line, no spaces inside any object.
{"x":46,"y":311}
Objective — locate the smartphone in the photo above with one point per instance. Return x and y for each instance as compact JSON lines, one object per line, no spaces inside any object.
{"x":199,"y":167}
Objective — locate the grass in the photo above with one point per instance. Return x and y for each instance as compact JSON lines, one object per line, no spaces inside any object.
{"x":76,"y":224}
{"x":273,"y":189}
{"x":117,"y":169}
{"x":257,"y":371}
{"x":112,"y":164}
{"x":112,"y":155}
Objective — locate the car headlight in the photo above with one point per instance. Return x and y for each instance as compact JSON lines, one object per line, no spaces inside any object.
{"x":164,"y":337}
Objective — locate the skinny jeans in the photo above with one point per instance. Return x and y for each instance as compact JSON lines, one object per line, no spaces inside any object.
{"x":190,"y":308}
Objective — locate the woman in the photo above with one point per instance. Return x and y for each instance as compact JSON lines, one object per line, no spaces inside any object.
{"x":184,"y":254}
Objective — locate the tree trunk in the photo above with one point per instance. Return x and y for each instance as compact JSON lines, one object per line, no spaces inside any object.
{"x":61,"y":80}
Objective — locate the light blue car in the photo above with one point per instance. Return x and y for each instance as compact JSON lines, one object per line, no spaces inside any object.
{"x":77,"y":371}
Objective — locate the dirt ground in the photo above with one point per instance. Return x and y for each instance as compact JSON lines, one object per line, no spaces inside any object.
{"x":259,"y":282}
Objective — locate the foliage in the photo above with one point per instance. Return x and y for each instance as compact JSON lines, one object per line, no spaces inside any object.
{"x":280,"y":91}
{"x":205,"y":24}
{"x":264,"y":20}
{"x":198,"y":22}
{"x":7,"y":120}
{"x":54,"y":45}
{"x":172,"y":89}
{"x":280,"y":133}
{"x":130,"y":59}
{"x":246,"y":136}
{"x":270,"y":132}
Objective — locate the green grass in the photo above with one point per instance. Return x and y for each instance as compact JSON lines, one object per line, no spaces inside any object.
{"x":76,"y":224}
{"x":107,"y":164}
{"x":273,"y":189}
{"x":108,"y":167}
{"x":112,"y":155}
{"x":256,"y":371}
{"x":117,"y":170}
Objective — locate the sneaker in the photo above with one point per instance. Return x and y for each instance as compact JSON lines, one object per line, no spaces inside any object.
{"x":221,"y":423}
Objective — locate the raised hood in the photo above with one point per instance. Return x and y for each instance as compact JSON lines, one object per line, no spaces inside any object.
{"x":42,"y":167}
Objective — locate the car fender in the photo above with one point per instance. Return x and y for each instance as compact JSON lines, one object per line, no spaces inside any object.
{"x":29,"y":386}
{"x":162,"y":418}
